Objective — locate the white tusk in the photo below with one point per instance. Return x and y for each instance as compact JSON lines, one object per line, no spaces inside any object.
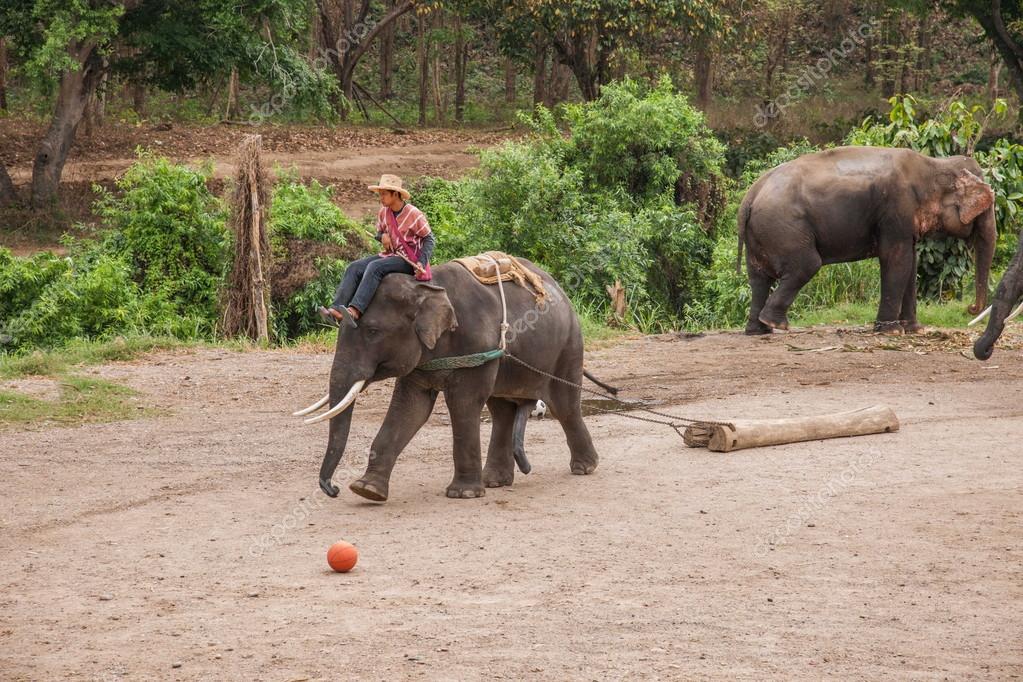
{"x":345,"y":403}
{"x":978,"y":318}
{"x":1015,"y":313}
{"x":312,"y":408}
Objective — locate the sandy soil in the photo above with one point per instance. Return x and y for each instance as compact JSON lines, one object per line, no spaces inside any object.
{"x":348,"y":157}
{"x":192,"y":545}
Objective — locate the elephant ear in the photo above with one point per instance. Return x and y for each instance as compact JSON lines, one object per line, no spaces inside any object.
{"x":973,"y":196}
{"x":434,"y":314}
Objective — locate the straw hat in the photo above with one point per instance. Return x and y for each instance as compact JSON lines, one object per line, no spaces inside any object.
{"x":391,"y":182}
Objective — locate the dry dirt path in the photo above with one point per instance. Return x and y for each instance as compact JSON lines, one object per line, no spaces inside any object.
{"x":348,"y":157}
{"x":191,"y":546}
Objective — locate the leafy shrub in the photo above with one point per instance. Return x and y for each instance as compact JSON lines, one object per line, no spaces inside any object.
{"x":312,"y":242}
{"x":640,"y":140}
{"x":594,"y":206}
{"x":170,"y":230}
{"x":156,"y":267}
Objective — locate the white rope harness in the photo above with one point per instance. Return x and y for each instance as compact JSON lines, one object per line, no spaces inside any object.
{"x":504,"y":303}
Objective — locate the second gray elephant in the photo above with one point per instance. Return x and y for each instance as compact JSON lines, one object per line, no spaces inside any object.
{"x":852,"y":203}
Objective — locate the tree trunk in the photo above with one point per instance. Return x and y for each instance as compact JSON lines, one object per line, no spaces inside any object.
{"x":73,"y":93}
{"x":868,"y":61}
{"x":7,"y":194}
{"x":703,"y":74}
{"x":739,"y":434}
{"x":923,"y":60}
{"x":559,"y":83}
{"x":3,"y":74}
{"x":1011,"y":52}
{"x":232,"y":111}
{"x":994,"y":70}
{"x":539,"y":71}
{"x":138,"y":98}
{"x":387,"y":59}
{"x":509,"y":81}
{"x":346,"y":45}
{"x":461,"y":61}
{"x":424,"y":67}
{"x":439,"y":100}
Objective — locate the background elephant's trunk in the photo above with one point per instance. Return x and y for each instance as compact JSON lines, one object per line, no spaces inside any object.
{"x":1006,"y":295}
{"x":984,"y":237}
{"x":337,"y":439}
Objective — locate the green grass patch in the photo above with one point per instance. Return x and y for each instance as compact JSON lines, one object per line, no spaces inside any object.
{"x":951,"y":314}
{"x":80,"y":352}
{"x":82,"y":400}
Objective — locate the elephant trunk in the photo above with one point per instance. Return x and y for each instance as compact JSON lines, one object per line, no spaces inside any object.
{"x":984,"y":237}
{"x":1006,"y":295}
{"x":337,"y":439}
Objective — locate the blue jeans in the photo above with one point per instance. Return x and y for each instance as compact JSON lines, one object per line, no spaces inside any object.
{"x":361,"y":279}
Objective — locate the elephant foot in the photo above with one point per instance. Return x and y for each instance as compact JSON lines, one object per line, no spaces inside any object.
{"x":780,"y":322}
{"x":891,"y":328}
{"x":329,"y":488}
{"x":370,"y":491}
{"x":912,"y":327}
{"x":494,"y":478}
{"x":756,"y":328}
{"x":466,"y":491}
{"x":584,"y":465}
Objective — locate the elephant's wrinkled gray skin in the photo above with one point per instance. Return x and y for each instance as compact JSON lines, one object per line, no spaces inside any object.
{"x":410,"y":322}
{"x":853,"y":203}
{"x":1007,"y":296}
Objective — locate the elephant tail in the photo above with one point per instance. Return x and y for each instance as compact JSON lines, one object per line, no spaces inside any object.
{"x":744,"y":212}
{"x":607,"y":387}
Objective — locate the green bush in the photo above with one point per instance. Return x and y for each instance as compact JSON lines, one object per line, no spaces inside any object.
{"x":640,"y":141}
{"x":170,"y":230}
{"x":156,"y":267}
{"x":596,"y":205}
{"x":312,"y":242}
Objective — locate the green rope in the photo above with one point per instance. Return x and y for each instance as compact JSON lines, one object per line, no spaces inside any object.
{"x":461,"y":361}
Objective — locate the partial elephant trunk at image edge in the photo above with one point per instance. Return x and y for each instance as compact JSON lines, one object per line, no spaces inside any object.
{"x":1006,"y":295}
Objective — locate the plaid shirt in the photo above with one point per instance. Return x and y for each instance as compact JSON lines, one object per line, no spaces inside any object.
{"x":412,"y":226}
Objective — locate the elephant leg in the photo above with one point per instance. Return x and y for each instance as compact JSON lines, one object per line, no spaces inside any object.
{"x":907,"y":318}
{"x":564,"y":402}
{"x":760,"y":285}
{"x":500,"y":466}
{"x":410,"y":407}
{"x":897,"y":261}
{"x":465,"y":410}
{"x":797,"y":272}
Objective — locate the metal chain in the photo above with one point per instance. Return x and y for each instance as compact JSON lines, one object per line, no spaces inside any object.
{"x":675,"y":419}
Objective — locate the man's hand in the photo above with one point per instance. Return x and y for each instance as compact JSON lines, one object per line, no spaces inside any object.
{"x":418,"y":268}
{"x":385,"y":241}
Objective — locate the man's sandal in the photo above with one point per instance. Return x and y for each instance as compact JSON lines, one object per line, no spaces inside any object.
{"x":327,"y":318}
{"x":349,"y":319}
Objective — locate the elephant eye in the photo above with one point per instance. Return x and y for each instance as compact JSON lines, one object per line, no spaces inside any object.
{"x":372,"y":331}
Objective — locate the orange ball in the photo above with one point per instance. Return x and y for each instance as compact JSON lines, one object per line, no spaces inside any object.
{"x":342,"y":556}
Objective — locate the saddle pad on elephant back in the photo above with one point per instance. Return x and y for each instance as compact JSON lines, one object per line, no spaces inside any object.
{"x":511,"y":270}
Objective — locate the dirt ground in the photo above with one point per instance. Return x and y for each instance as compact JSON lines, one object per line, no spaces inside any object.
{"x":347,"y":158}
{"x":191,"y":545}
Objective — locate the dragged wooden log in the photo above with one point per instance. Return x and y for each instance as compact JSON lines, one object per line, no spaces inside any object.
{"x":740,"y":434}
